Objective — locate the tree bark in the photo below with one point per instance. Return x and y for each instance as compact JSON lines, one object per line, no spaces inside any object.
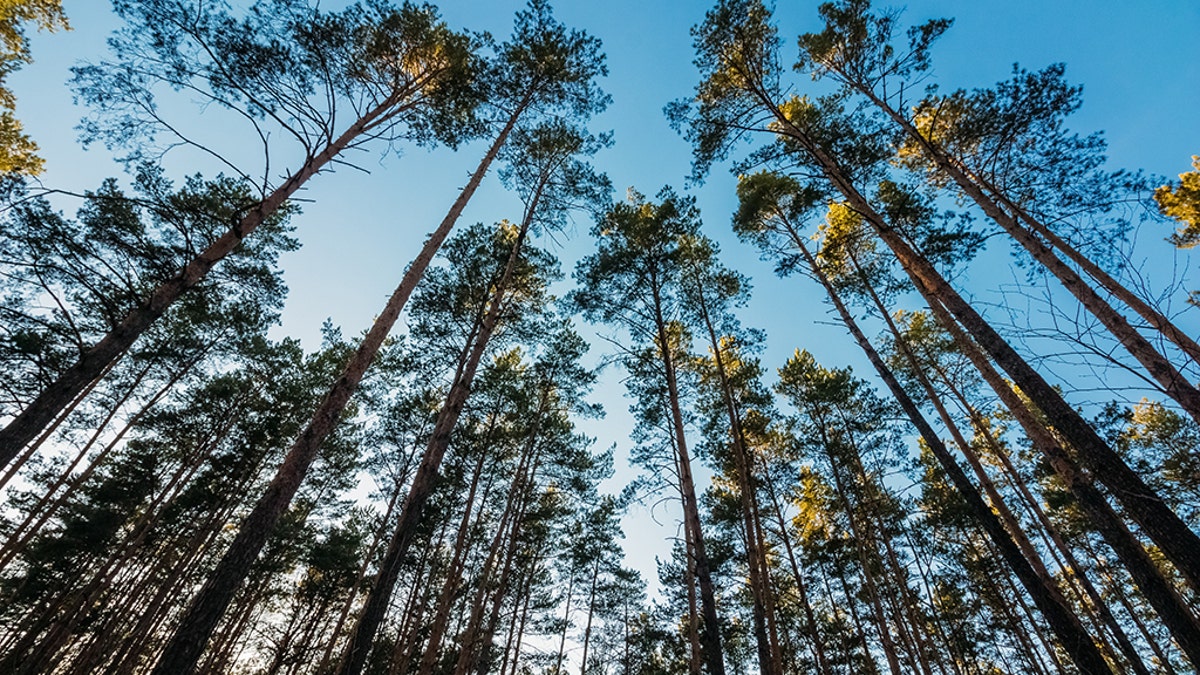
{"x":1179,"y":544}
{"x":1159,"y":592}
{"x":769,"y":659}
{"x":355,"y":656}
{"x":1062,"y":620}
{"x":974,"y":186}
{"x":801,"y":587}
{"x":93,"y":361}
{"x":188,"y":642}
{"x":710,"y":633}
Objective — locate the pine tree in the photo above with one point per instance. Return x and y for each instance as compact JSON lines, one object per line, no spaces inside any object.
{"x":640,"y":259}
{"x":285,"y":64}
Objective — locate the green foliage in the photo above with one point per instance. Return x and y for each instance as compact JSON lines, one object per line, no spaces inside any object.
{"x":70,"y":281}
{"x":736,"y":53}
{"x":283,"y":68}
{"x":634,"y":281}
{"x":548,"y":66}
{"x":856,"y":44}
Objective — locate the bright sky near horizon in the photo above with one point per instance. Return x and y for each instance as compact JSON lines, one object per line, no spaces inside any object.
{"x":1136,"y":60}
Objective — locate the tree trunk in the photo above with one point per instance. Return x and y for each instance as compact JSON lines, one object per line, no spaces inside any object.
{"x":355,"y":656}
{"x":587,"y":630}
{"x":1062,"y":620}
{"x":441,"y":615}
{"x":1180,"y":545}
{"x":43,"y":510}
{"x":520,"y":496}
{"x":54,"y":424}
{"x":695,"y":665}
{"x":1159,"y":592}
{"x":801,"y":587}
{"x":769,"y":658}
{"x":860,"y":631}
{"x":1049,"y":530}
{"x":186,"y":645}
{"x":973,"y":185}
{"x":710,"y":633}
{"x":998,"y":503}
{"x":92,"y":362}
{"x":562,"y":642}
{"x":860,"y":539}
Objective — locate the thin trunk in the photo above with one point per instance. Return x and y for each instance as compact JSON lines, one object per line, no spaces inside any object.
{"x":587,"y":630}
{"x":923,"y":571}
{"x":482,"y":659}
{"x":852,"y":604}
{"x":1177,"y":541}
{"x":864,"y":563}
{"x":43,"y":510}
{"x":1020,"y":628}
{"x":512,"y":643}
{"x":695,"y":665}
{"x":769,"y":658}
{"x":521,"y":632}
{"x":915,"y":625}
{"x":770,"y":596}
{"x":810,"y":619}
{"x":998,"y":503}
{"x":562,"y":642}
{"x":186,"y":645}
{"x":31,"y":449}
{"x":113,"y":409}
{"x":348,"y":604}
{"x":408,"y":636}
{"x":1158,"y":591}
{"x":1118,"y":589}
{"x":73,"y":605}
{"x":520,"y":497}
{"x":1062,"y":620}
{"x":711,"y":634}
{"x":92,"y":362}
{"x":441,"y":615}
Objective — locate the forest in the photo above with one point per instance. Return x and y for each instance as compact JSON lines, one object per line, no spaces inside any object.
{"x":882,"y":374}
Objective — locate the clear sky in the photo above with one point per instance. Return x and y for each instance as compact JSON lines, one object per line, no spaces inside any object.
{"x":1137,"y":61}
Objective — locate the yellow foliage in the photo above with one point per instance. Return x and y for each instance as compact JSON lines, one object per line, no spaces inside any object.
{"x":1150,"y":421}
{"x":843,"y":235}
{"x":17,"y":150}
{"x":936,"y":119}
{"x":1182,"y":202}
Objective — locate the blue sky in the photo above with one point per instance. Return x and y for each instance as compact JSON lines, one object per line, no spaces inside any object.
{"x":1137,"y":62}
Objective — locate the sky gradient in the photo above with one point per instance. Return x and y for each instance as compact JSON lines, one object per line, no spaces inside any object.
{"x":1137,"y":62}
